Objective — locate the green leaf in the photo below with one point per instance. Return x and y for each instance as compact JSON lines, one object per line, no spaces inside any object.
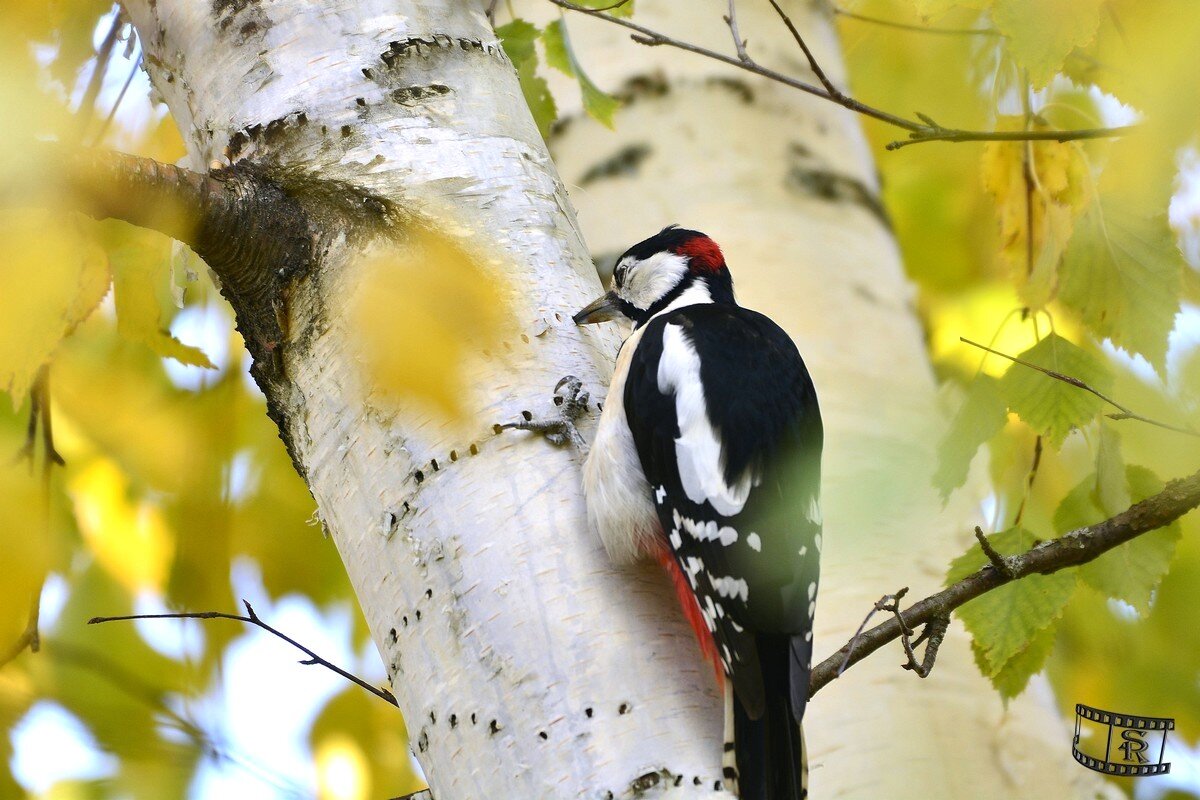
{"x":1050,"y":406}
{"x":1131,"y":571}
{"x":1042,"y":33}
{"x":981,"y":417}
{"x":554,"y":43}
{"x":517,"y":38}
{"x":599,"y":105}
{"x":1112,"y":487}
{"x":1005,"y":621}
{"x":1123,"y":273}
{"x":1012,"y":678}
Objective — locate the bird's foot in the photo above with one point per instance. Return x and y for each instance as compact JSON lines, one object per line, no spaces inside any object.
{"x":572,"y":401}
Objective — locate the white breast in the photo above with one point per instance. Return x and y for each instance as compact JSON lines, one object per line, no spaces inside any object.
{"x":619,"y":498}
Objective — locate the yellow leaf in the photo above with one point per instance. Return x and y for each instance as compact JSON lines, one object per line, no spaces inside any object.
{"x":141,"y":267}
{"x":1042,"y":33}
{"x":129,"y":537}
{"x":1038,"y":186}
{"x":51,"y":279}
{"x":935,"y":8}
{"x":420,"y":310}
{"x":23,"y":546}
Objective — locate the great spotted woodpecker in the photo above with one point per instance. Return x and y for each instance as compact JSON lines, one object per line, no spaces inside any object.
{"x":707,"y":457}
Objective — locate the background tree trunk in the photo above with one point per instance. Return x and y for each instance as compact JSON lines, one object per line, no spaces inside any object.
{"x":786,"y":184}
{"x":525,"y":666}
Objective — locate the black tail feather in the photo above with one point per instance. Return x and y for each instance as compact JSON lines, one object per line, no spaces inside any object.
{"x":770,"y":750}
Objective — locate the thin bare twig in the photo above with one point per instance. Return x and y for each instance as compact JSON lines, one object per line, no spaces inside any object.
{"x":252,"y":618}
{"x":1072,"y":549}
{"x":834,"y":93}
{"x":738,"y":42}
{"x":904,"y":26}
{"x":924,"y":131}
{"x":137,"y":64}
{"x":1125,"y":413}
{"x":880,"y":605}
{"x":87,"y":104}
{"x":998,"y":561}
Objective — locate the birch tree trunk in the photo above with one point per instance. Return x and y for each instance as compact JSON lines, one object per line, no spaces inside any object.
{"x":786,"y":184}
{"x":524,"y":665}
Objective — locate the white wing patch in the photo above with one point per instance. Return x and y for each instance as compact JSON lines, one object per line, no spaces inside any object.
{"x":698,"y":449}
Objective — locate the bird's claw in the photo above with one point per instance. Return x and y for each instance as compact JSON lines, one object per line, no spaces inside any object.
{"x":572,"y":402}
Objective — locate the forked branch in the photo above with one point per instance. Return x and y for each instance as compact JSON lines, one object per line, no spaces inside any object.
{"x":923,"y":129}
{"x":252,"y":618}
{"x":1075,"y":548}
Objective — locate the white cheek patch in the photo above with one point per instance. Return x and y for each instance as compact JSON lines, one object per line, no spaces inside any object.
{"x":649,"y":280}
{"x":698,"y":448}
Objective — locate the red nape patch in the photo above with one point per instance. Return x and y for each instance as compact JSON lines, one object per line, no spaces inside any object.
{"x":691,"y":610}
{"x":703,"y":253}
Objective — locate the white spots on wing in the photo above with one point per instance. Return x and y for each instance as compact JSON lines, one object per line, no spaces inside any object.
{"x":733,"y":588}
{"x":812,"y":609}
{"x":709,"y":609}
{"x":812,"y":591}
{"x":726,"y":656}
{"x":720,"y":611}
{"x":813,"y":513}
{"x":698,"y":449}
{"x":676,"y":517}
{"x":808,"y":636}
{"x":803,"y":551}
{"x":755,"y":542}
{"x":818,"y":542}
{"x":676,"y":539}
{"x":660,"y":494}
{"x":737,"y":627}
{"x":709,"y":531}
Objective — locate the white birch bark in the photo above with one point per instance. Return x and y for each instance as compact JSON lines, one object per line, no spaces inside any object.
{"x":785,"y":183}
{"x":525,"y":665}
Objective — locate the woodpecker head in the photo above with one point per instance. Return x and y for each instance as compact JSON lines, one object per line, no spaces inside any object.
{"x":673,"y":266}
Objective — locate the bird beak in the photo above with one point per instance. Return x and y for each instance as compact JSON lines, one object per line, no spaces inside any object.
{"x":602,"y":309}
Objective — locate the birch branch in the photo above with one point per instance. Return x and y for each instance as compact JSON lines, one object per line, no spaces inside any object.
{"x":1077,"y":547}
{"x":926,"y":130}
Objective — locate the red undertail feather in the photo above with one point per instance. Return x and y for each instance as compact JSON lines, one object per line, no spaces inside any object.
{"x":691,"y":610}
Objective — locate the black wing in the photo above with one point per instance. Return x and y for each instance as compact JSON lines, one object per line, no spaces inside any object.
{"x":753,"y":565}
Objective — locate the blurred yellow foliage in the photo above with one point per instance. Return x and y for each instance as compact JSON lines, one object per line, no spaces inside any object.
{"x":51,"y":279}
{"x":342,"y":769}
{"x":420,"y":310}
{"x":128,"y":535}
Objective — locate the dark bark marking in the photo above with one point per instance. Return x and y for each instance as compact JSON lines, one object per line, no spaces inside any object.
{"x":424,"y":46}
{"x":815,"y":180}
{"x":414,"y":95}
{"x":625,"y":162}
